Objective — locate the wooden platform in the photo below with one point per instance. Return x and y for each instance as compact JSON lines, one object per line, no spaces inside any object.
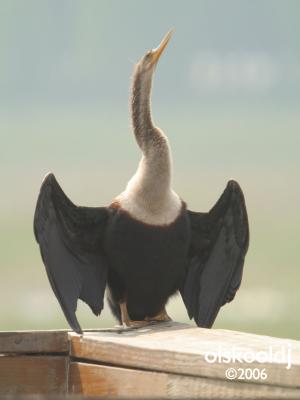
{"x":168,"y":360}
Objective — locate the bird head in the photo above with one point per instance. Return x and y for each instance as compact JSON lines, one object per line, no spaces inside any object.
{"x":150,"y":59}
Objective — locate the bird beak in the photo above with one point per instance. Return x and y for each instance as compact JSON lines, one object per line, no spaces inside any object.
{"x":156,"y":53}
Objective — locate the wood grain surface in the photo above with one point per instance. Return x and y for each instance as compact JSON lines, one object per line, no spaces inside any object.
{"x":181,"y":349}
{"x":101,"y":380}
{"x":24,"y":375}
{"x":34,"y":342}
{"x":167,"y":360}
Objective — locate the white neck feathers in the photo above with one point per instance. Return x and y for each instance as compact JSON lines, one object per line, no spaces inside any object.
{"x":148,"y":196}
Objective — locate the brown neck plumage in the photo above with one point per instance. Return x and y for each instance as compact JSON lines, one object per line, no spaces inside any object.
{"x":156,"y":161}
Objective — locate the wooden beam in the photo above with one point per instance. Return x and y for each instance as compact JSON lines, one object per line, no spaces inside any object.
{"x":181,"y":349}
{"x":107,"y":381}
{"x":34,"y":342}
{"x":33,"y":375}
{"x":165,"y":360}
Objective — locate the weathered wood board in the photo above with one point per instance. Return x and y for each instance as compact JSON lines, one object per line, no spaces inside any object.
{"x":167,"y":360}
{"x":101,"y":380}
{"x":181,"y":349}
{"x":34,"y":342}
{"x":26,"y":375}
{"x":33,"y":362}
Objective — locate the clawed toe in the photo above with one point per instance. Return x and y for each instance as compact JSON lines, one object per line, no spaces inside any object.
{"x":128,"y":323}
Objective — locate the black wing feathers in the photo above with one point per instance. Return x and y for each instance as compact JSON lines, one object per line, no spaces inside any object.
{"x":219,"y":244}
{"x":70,"y":240}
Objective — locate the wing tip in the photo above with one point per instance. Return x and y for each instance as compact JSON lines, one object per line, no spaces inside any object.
{"x":73,"y":322}
{"x":45,"y":189}
{"x":48,"y":178}
{"x":233,"y":185}
{"x":235,"y":188}
{"x":239,"y":197}
{"x":79,"y":331}
{"x":207,"y":320}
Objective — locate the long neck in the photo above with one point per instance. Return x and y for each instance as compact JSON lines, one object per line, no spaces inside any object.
{"x":155,"y":167}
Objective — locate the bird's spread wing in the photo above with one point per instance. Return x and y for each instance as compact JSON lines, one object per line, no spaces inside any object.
{"x":220,"y":241}
{"x":70,"y":242}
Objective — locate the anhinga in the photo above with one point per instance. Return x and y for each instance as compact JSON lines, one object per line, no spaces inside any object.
{"x":146,"y":245}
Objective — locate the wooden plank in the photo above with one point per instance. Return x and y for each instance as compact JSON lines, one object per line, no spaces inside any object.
{"x":100,"y":380}
{"x":30,"y":375}
{"x":181,"y":349}
{"x":34,"y":342}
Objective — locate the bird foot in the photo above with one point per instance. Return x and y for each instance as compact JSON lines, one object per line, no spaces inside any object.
{"x":135,"y":324}
{"x":160,"y":317}
{"x":129,"y":323}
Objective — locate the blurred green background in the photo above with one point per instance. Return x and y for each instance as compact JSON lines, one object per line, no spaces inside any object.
{"x":226,"y":92}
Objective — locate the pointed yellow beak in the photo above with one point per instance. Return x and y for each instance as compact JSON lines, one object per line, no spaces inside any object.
{"x":156,"y":53}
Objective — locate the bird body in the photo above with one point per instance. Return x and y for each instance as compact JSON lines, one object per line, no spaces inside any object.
{"x":147,"y":238}
{"x":146,"y":245}
{"x":146,"y":262}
